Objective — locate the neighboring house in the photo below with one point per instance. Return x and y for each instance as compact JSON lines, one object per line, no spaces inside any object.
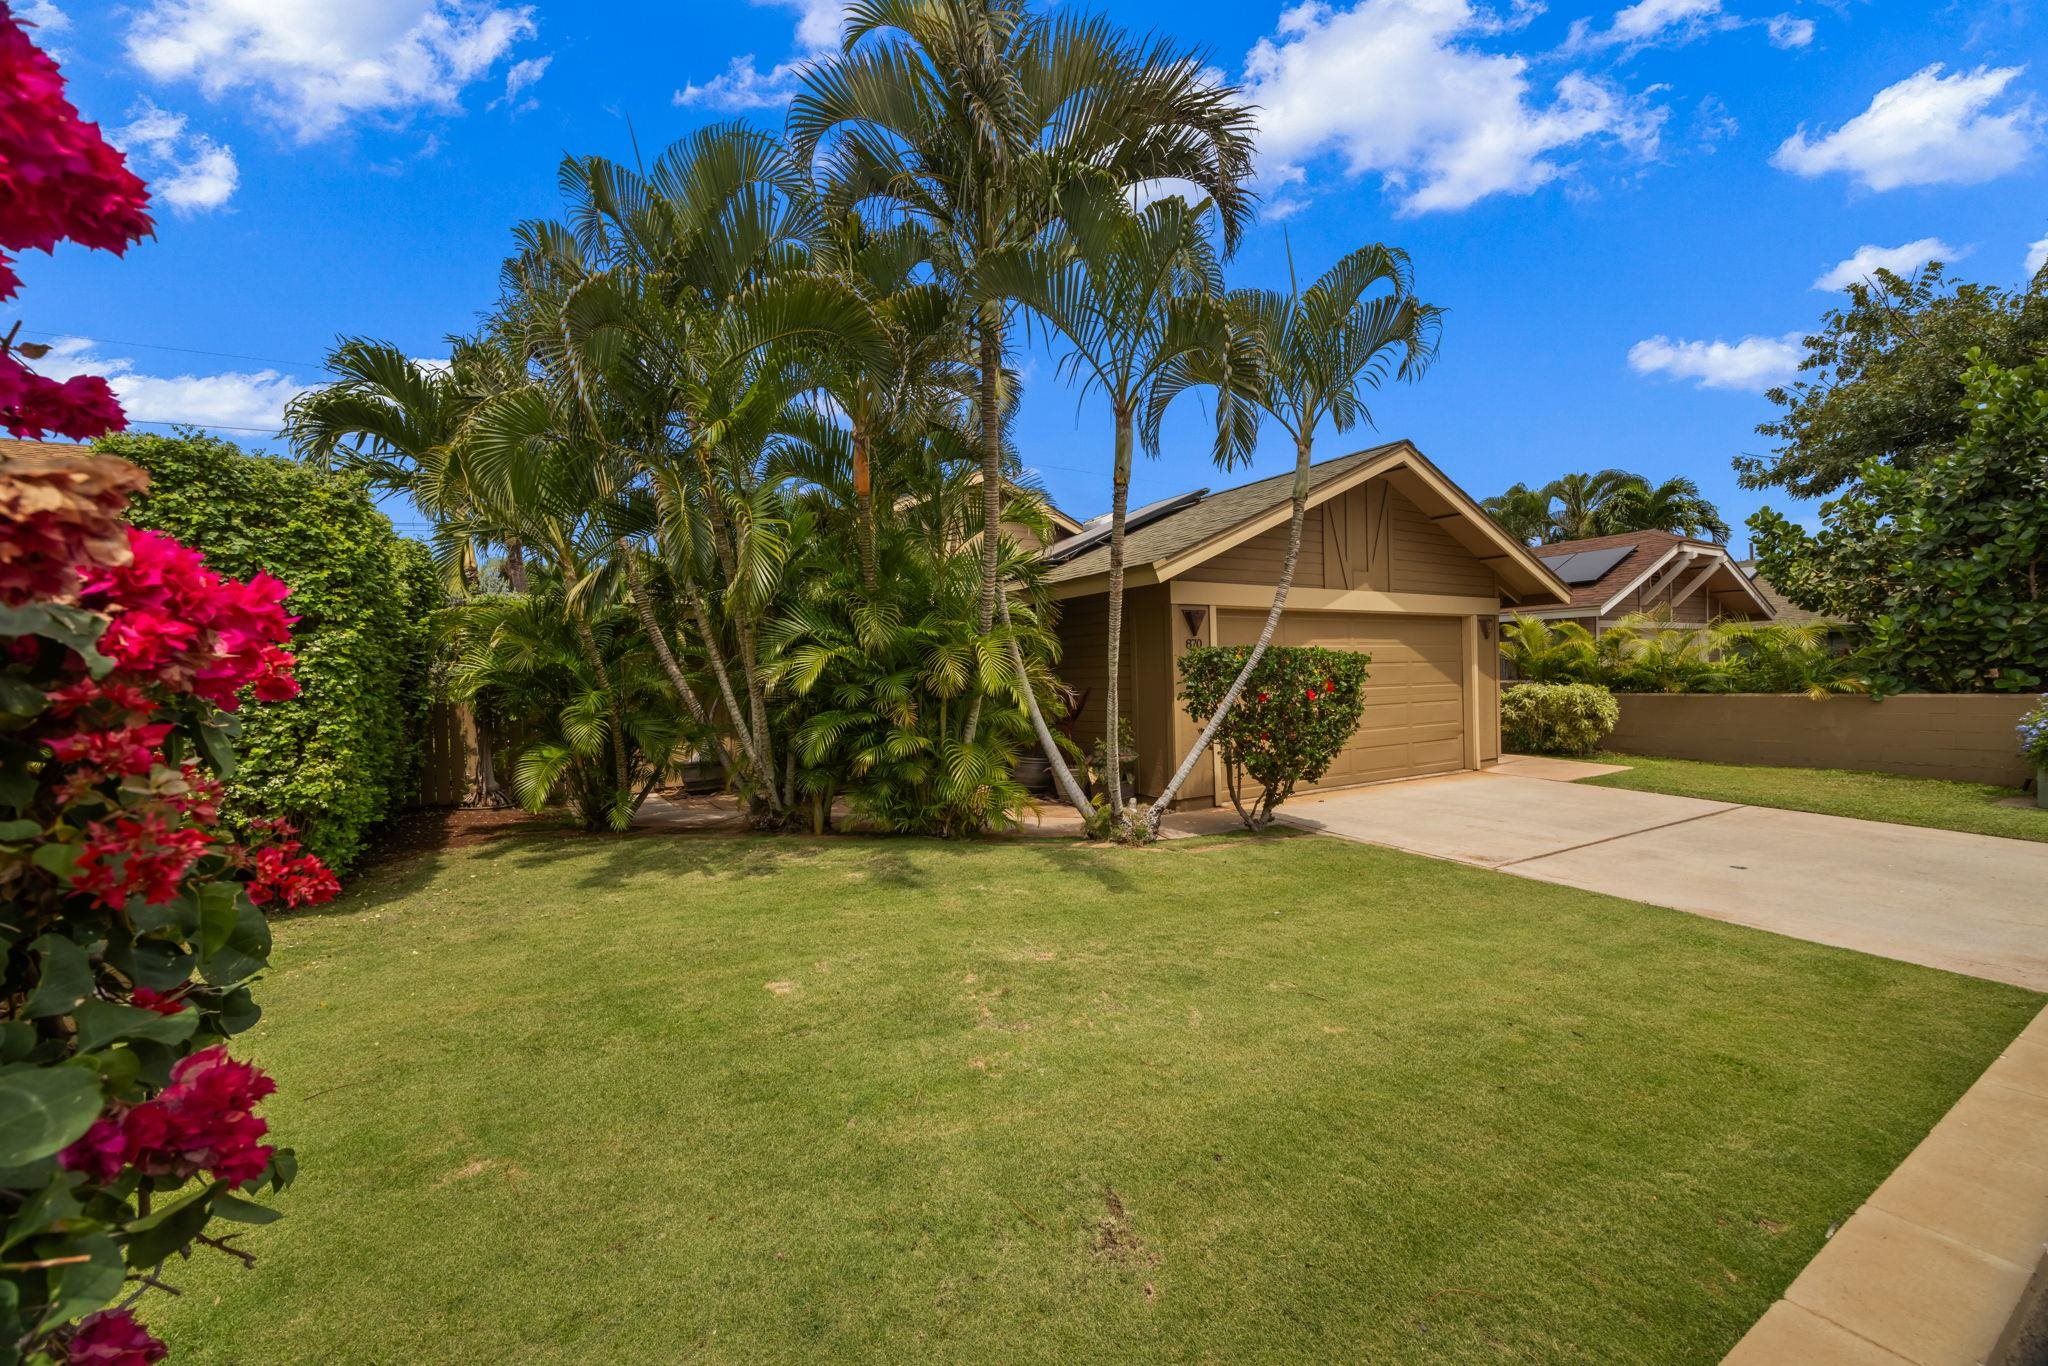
{"x":1612,"y":577}
{"x":1395,"y":560}
{"x":1782,"y":608}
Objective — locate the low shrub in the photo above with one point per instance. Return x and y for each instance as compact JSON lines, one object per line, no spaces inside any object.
{"x":2033,"y":733}
{"x":345,"y":753}
{"x":1556,"y":718}
{"x":1296,"y":712}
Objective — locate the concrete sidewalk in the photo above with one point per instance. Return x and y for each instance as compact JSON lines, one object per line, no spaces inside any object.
{"x":1967,"y":903}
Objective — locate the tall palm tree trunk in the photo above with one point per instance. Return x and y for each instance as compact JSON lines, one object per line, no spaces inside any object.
{"x":749,"y":742}
{"x":515,"y":564}
{"x":621,"y":766}
{"x":636,"y":580}
{"x":1297,"y":516}
{"x":1063,"y":777}
{"x":990,"y":341}
{"x":480,"y":786}
{"x":864,"y":499}
{"x":1119,"y":504}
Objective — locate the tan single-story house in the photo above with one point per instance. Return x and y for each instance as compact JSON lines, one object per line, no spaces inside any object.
{"x":1396,"y":560}
{"x":1611,"y":577}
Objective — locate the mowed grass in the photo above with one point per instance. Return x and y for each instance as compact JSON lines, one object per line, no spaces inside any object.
{"x":566,"y":1099}
{"x":1934,"y":802}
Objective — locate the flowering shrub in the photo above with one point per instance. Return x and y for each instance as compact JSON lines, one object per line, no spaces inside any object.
{"x":345,"y":753}
{"x":1298,"y":709}
{"x":2034,"y":735}
{"x":58,"y":178}
{"x":1556,"y":718}
{"x":133,"y":930}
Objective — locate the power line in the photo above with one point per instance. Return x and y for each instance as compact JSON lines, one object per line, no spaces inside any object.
{"x":184,"y":350}
{"x":186,"y":422}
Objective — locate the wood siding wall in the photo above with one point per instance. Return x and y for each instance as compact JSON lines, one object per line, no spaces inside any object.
{"x":1145,"y":678}
{"x":1922,"y":735}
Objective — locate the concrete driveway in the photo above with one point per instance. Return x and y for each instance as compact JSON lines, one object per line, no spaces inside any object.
{"x":1968,"y":903}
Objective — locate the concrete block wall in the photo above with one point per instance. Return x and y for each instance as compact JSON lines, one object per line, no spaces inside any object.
{"x":1922,"y":735}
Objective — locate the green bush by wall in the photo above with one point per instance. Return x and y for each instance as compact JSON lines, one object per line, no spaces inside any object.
{"x":1556,"y":718}
{"x":345,"y":753}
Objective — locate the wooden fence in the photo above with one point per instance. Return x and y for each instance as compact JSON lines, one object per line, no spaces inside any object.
{"x":1924,"y":735}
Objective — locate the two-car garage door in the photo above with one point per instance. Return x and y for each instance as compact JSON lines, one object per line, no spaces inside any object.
{"x":1414,"y":720}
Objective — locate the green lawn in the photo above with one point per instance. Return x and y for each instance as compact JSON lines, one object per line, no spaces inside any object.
{"x":1932,"y":802}
{"x":568,"y":1099}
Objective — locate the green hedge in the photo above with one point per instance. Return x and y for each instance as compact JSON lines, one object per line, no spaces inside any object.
{"x":345,"y":753}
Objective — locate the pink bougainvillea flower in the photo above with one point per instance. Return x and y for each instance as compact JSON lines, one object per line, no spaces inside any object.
{"x":112,"y":1337}
{"x":203,"y":1121}
{"x":150,"y":1000}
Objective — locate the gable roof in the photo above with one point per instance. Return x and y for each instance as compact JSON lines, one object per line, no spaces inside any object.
{"x":1648,"y":552}
{"x":1213,"y":522}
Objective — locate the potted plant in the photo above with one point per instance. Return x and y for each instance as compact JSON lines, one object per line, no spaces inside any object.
{"x":2034,"y":746}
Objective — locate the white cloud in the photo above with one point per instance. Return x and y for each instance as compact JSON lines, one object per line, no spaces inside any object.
{"x":189,"y":171}
{"x":2037,"y":257}
{"x":46,"y":17}
{"x":315,"y":66}
{"x":1397,"y":88}
{"x":1928,"y":129}
{"x":518,"y":77}
{"x":743,"y":85}
{"x":233,"y":399}
{"x":1649,"y":22}
{"x":1899,"y":260}
{"x":1754,"y":363}
{"x":1788,"y":30}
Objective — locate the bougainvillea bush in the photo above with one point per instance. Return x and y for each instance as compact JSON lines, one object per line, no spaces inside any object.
{"x":58,"y":179}
{"x":135,"y":925}
{"x":1298,"y":709}
{"x":1557,"y":718}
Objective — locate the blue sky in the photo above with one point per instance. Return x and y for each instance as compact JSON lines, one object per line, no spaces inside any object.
{"x":1625,"y":209}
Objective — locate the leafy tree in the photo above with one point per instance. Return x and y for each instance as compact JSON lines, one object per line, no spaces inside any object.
{"x":1359,"y":324}
{"x":1943,"y":560}
{"x":1884,"y":378}
{"x":1296,"y":715}
{"x":1676,"y":505}
{"x":1576,"y":506}
{"x":1523,"y":512}
{"x":344,"y":754}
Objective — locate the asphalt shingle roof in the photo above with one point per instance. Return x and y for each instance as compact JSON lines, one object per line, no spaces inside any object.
{"x":1215,"y":514}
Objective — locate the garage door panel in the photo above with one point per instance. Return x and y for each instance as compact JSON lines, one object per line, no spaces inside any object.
{"x":1413,"y":721}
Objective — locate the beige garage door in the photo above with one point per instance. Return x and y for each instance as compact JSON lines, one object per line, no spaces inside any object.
{"x":1414,"y":720}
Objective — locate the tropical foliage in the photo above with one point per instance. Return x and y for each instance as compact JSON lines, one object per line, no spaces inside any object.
{"x":1557,"y":718}
{"x":135,"y":922}
{"x":1574,"y":507}
{"x":1943,"y":560}
{"x":726,"y":475}
{"x":1883,"y":378}
{"x":1648,"y":652}
{"x":1301,"y":706}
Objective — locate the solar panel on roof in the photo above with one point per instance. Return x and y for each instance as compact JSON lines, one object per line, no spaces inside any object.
{"x":1097,"y":535}
{"x":1587,"y":566}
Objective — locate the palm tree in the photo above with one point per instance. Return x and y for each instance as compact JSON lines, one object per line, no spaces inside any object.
{"x":974,"y":118}
{"x":1135,"y":295}
{"x":403,"y":424}
{"x":1541,"y":652}
{"x":1318,"y":349}
{"x":1583,"y":505}
{"x":1675,"y":505}
{"x":1523,"y":512}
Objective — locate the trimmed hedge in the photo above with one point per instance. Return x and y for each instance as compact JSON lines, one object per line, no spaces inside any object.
{"x":1297,"y":710}
{"x":1556,"y":718}
{"x":345,"y":753}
